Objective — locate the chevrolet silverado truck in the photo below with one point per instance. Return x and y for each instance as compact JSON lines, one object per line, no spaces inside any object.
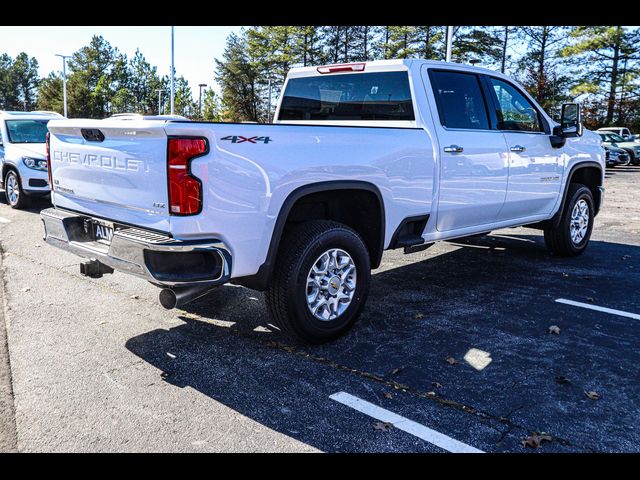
{"x":361,"y":158}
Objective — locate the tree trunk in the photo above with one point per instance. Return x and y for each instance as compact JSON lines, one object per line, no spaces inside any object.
{"x":541,"y":72}
{"x":404,"y":53}
{"x":386,"y":41}
{"x":611,"y":101}
{"x":305,"y":47}
{"x":366,"y":43}
{"x":427,"y":42}
{"x":504,"y":49}
{"x":346,"y":44}
{"x":621,"y":118}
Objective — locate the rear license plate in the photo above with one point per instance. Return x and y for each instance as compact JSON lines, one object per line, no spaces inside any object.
{"x":102,"y":233}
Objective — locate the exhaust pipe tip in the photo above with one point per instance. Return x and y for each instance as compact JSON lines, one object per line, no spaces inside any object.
{"x":178,"y":296}
{"x":168,"y":298}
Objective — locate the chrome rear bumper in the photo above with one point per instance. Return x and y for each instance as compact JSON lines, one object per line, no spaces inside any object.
{"x":154,"y":256}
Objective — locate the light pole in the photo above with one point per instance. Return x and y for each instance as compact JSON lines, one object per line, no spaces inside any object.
{"x":173,"y":83}
{"x":449,"y":40}
{"x":159,"y":90}
{"x":200,"y":99}
{"x":269,"y":104}
{"x":64,"y":80}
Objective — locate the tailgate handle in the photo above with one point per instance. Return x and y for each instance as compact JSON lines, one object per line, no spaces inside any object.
{"x":92,"y":135}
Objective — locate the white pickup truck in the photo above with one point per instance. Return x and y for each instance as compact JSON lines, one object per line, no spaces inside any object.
{"x":361,"y":158}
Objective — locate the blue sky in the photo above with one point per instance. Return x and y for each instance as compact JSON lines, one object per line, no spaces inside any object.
{"x":195,"y":47}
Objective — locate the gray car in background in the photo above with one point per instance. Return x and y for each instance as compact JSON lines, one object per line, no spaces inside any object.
{"x":612,"y":139}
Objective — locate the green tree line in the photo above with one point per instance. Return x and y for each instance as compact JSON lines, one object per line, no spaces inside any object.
{"x":101,"y":81}
{"x":598,"y":66}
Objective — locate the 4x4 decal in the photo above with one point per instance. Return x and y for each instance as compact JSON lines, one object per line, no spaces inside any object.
{"x":241,"y":139}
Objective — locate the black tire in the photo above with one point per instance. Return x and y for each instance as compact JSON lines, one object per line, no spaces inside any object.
{"x":286,"y":297}
{"x":17,"y":198}
{"x":558,"y":240}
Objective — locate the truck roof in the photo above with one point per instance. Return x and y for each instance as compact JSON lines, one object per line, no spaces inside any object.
{"x":390,"y":65}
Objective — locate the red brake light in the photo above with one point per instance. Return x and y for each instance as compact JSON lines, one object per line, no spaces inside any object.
{"x":343,"y":67}
{"x":185,"y":190}
{"x":49,"y":161}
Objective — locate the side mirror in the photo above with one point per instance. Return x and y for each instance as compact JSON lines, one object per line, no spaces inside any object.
{"x":571,"y":120}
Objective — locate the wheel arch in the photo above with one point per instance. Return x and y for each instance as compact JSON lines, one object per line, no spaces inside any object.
{"x":591,"y":175}
{"x":261,"y":279}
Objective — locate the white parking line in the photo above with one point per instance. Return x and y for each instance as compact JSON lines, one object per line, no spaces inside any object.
{"x":620,"y":313}
{"x":4,"y":220}
{"x":436,"y":438}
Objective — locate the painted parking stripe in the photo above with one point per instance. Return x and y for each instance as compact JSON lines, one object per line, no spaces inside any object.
{"x":436,"y":438}
{"x":612,"y":311}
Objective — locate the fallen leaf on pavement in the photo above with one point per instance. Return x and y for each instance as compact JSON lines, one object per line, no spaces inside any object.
{"x":554,"y":329}
{"x":384,"y":426}
{"x":536,"y":439}
{"x":418,"y":316}
{"x":452,"y":361}
{"x":592,"y":395}
{"x":26,"y":289}
{"x":135,"y":297}
{"x":388,"y":395}
{"x":624,"y":257}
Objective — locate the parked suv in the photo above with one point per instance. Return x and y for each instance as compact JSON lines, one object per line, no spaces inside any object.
{"x":23,"y":156}
{"x":615,"y":140}
{"x":364,"y":157}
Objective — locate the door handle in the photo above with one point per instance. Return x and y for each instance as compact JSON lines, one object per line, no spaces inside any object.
{"x":518,"y":148}
{"x":453,"y":149}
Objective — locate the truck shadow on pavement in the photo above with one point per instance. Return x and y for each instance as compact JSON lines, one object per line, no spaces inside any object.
{"x":470,"y":325}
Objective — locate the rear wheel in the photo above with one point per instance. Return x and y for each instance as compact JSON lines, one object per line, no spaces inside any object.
{"x":321,"y":281}
{"x":571,"y":236}
{"x":13,"y":191}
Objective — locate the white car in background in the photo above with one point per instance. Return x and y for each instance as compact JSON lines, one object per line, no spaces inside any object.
{"x":624,"y":132}
{"x":23,"y":156}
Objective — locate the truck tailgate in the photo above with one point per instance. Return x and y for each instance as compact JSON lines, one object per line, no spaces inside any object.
{"x":114,"y":169}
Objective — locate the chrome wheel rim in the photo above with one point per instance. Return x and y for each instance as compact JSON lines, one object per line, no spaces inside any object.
{"x":12,"y":189}
{"x":331,"y":283}
{"x":579,"y":221}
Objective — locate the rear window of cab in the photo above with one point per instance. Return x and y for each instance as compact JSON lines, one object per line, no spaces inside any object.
{"x":354,"y":96}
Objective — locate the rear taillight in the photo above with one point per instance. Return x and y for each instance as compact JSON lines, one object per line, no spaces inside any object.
{"x":185,"y":190}
{"x":49,"y":161}
{"x":342,"y":67}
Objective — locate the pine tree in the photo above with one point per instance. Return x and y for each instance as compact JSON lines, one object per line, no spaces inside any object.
{"x":238,"y":79}
{"x":18,"y":82}
{"x":539,"y":70}
{"x":601,"y":55}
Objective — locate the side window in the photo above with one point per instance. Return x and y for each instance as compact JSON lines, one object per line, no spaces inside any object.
{"x":515,"y":111}
{"x":459,"y":100}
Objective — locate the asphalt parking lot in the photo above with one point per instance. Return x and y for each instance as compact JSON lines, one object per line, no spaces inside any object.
{"x":452,"y":353}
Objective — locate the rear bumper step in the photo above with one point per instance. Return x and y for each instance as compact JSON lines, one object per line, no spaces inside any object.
{"x":160,"y":259}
